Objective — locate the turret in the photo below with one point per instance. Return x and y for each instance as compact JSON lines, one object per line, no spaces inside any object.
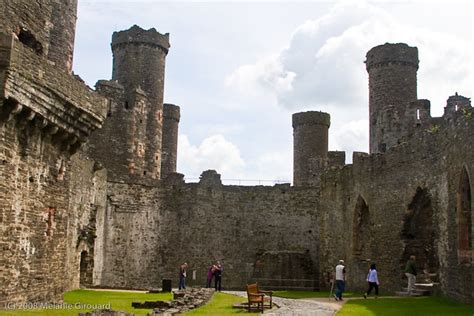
{"x":139,"y":63}
{"x":310,"y":146}
{"x":169,"y":154}
{"x":456,"y":103}
{"x":392,"y":72}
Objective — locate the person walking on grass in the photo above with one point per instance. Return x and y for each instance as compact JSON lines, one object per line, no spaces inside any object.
{"x":410,"y":272}
{"x":340,"y":280}
{"x":373,"y":281}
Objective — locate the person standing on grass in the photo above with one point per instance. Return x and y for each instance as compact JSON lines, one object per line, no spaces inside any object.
{"x":373,"y":281}
{"x":410,"y":272}
{"x":182,"y":276}
{"x":218,"y":276}
{"x":340,"y":280}
{"x":210,"y":275}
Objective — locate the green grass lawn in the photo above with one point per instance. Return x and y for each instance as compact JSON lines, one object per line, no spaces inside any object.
{"x":419,"y":306}
{"x":221,"y":305}
{"x":119,"y":301}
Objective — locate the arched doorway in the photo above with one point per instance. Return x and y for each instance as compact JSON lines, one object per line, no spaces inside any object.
{"x":361,"y":230}
{"x":418,"y":233}
{"x":464,"y":218}
{"x":86,"y":266}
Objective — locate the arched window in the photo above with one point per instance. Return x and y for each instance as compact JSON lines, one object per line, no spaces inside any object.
{"x":464,"y":218}
{"x":360,"y":229}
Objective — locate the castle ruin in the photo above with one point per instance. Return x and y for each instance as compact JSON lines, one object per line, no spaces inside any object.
{"x":90,"y":195}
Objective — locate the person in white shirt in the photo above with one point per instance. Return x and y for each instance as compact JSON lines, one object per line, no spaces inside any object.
{"x":340,"y":280}
{"x":373,"y":281}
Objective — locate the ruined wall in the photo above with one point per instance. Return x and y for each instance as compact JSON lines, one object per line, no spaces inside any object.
{"x":410,"y":193}
{"x":87,"y":186}
{"x":121,"y":153}
{"x":46,"y":26}
{"x":152,"y":230}
{"x":45,"y":116}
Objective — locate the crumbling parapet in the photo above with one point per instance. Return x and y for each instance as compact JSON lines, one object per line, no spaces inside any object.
{"x":210,"y":178}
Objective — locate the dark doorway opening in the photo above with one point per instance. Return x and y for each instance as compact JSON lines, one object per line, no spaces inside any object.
{"x":464,"y":218}
{"x":418,"y":235}
{"x":86,"y":268}
{"x":361,"y":230}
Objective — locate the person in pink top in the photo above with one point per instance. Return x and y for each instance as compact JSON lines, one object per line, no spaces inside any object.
{"x":210,"y":274}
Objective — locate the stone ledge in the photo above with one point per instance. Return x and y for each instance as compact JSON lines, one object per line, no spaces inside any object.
{"x":39,"y":89}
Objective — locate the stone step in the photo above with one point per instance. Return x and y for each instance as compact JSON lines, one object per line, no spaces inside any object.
{"x":418,"y":291}
{"x":405,"y":293}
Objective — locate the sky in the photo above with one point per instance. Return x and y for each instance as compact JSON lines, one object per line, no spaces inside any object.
{"x":240,"y":69}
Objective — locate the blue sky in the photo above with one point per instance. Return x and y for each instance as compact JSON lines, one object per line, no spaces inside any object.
{"x":239,"y":69}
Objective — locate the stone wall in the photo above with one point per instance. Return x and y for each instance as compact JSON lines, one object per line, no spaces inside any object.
{"x":45,"y":116}
{"x":418,"y":177}
{"x":47,"y":26}
{"x":152,"y":230}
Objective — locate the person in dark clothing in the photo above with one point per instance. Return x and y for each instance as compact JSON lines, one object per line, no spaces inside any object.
{"x":218,"y":276}
{"x":373,"y":281}
{"x":182,"y":275}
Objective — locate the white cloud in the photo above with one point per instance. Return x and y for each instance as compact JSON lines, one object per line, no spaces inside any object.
{"x":279,"y":164}
{"x":322,"y":66}
{"x":352,"y":136}
{"x":214,"y":152}
{"x":265,"y":76}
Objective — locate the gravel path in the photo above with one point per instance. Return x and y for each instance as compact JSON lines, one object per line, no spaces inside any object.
{"x":300,"y":307}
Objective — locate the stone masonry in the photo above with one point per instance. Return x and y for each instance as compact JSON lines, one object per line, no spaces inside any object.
{"x":90,"y":193}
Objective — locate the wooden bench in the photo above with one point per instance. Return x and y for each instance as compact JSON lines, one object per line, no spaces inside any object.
{"x":258,"y":297}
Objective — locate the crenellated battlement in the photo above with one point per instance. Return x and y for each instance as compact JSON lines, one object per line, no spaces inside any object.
{"x":137,"y":35}
{"x":311,"y":118}
{"x":171,"y":111}
{"x":392,"y":54}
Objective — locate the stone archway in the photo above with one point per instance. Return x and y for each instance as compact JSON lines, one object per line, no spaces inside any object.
{"x":418,"y":233}
{"x":361,"y":230}
{"x":86,"y":266}
{"x":464,"y":218}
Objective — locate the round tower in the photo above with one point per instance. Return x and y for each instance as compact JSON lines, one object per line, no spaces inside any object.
{"x":310,"y":146}
{"x":139,"y":63}
{"x":169,"y":150}
{"x":392,"y":86}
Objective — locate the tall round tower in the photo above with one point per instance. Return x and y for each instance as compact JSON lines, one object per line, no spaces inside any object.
{"x":139,"y":63}
{"x":310,"y":146}
{"x":171,"y":115}
{"x":392,"y":86}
